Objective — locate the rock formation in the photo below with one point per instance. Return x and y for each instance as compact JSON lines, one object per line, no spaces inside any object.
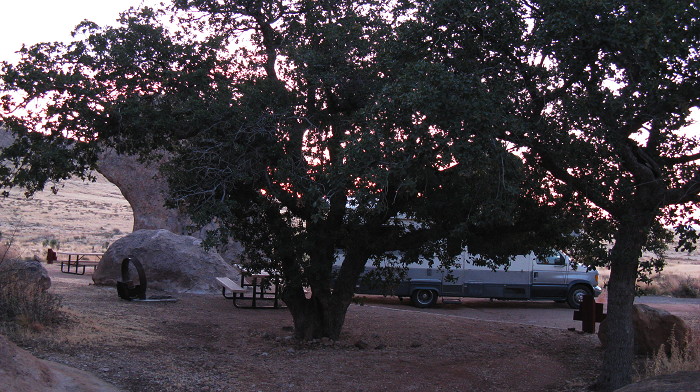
{"x":144,"y":189}
{"x":140,"y":184}
{"x":29,"y":272}
{"x":652,"y":329}
{"x":172,"y":262}
{"x":677,"y":382}
{"x":20,"y":371}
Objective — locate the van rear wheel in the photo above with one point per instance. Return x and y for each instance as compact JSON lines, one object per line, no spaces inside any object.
{"x":424,"y":298}
{"x":575,"y":297}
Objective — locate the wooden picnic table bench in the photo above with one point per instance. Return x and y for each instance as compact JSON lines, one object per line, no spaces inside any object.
{"x":77,"y":260}
{"x":254,"y":287}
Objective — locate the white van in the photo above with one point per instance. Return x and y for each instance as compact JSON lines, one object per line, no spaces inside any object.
{"x":527,"y":278}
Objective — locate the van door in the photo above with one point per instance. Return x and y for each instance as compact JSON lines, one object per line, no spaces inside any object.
{"x":513,"y":282}
{"x":453,"y":279}
{"x":549,"y":276}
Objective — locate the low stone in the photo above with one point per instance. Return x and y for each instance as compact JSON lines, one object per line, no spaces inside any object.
{"x":653,"y":328}
{"x":268,"y":336}
{"x":677,"y":382}
{"x":20,"y":371}
{"x":361,"y":344}
{"x":25,"y":272}
{"x":172,"y":262}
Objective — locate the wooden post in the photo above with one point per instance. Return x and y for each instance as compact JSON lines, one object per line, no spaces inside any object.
{"x":589,"y":314}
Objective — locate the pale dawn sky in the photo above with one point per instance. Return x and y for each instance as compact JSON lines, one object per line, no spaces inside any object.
{"x":33,"y":21}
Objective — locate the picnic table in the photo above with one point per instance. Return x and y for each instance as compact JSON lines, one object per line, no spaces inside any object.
{"x":72,"y":262}
{"x":259,"y":288}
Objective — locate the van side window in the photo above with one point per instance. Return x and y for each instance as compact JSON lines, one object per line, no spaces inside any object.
{"x":557,"y":259}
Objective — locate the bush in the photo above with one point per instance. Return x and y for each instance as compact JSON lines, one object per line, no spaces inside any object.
{"x":28,"y":306}
{"x":679,"y":360}
{"x":674,"y":286}
{"x":51,"y":243}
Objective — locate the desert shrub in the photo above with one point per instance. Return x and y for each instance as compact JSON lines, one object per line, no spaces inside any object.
{"x":28,"y":306}
{"x":674,"y":286}
{"x":52,"y":243}
{"x":679,"y":360}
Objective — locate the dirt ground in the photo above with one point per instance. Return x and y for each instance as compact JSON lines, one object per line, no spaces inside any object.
{"x":203,"y":343}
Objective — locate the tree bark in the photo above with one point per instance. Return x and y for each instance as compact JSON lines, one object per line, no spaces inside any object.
{"x":618,"y":356}
{"x":323,"y":315}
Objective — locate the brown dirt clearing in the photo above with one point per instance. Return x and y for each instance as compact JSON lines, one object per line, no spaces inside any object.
{"x":203,"y":343}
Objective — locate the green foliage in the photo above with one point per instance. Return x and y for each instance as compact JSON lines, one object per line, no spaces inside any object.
{"x":688,"y":237}
{"x":118,"y":89}
{"x":52,"y":243}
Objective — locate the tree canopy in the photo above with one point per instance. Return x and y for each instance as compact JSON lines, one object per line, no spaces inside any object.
{"x":301,"y":128}
{"x":305,"y":127}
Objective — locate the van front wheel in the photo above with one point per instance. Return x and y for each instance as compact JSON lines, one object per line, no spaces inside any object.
{"x":424,"y":298}
{"x":575,"y":297}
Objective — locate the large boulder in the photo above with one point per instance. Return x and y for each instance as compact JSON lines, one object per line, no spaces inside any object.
{"x":25,"y":272}
{"x":653,"y":328}
{"x":677,"y":382}
{"x":145,"y":188}
{"x":172,"y":262}
{"x":20,"y":371}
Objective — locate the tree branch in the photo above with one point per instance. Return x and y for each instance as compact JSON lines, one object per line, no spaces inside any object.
{"x":584,"y":187}
{"x":686,"y":194}
{"x":669,"y":161}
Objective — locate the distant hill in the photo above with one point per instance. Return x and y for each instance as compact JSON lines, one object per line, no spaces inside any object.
{"x":82,"y":216}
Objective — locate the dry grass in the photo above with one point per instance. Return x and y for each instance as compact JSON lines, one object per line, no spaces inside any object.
{"x":680,"y":286}
{"x":680,"y":359}
{"x":27,"y":307}
{"x":82,"y":216}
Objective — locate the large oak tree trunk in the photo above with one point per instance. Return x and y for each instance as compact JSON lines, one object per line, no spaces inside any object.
{"x":618,"y":356}
{"x":323,"y":315}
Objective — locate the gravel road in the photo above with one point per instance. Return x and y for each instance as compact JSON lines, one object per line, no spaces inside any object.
{"x":538,"y":313}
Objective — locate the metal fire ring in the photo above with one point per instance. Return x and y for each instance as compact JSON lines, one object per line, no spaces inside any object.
{"x":130,"y":292}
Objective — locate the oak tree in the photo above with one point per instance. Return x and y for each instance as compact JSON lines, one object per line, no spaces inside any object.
{"x":300,"y":128}
{"x":597,"y":94}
